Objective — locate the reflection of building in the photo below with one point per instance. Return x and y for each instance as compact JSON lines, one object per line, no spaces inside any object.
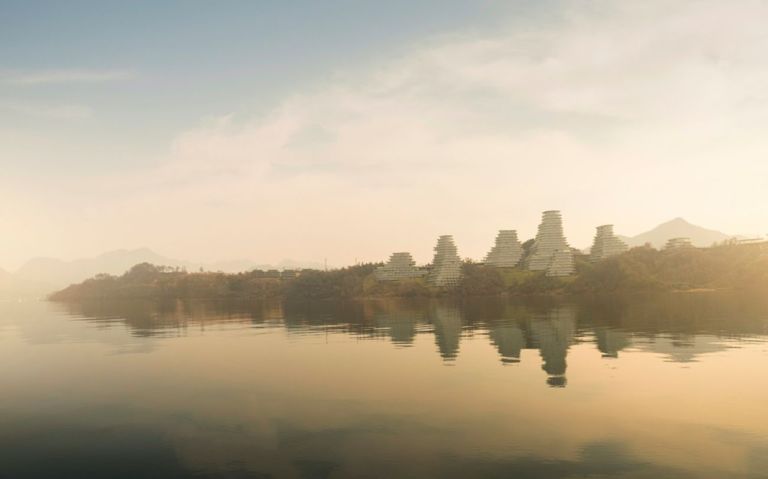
{"x":674,"y":243}
{"x":554,"y":333}
{"x":550,"y":252}
{"x":446,"y":266}
{"x":606,"y":244}
{"x":398,"y":320}
{"x":508,"y":339}
{"x":401,"y":325}
{"x":448,"y":325}
{"x":507,"y":251}
{"x":400,"y":266}
{"x":611,"y":341}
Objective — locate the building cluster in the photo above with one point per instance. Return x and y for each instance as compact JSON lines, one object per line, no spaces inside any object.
{"x":549,"y":253}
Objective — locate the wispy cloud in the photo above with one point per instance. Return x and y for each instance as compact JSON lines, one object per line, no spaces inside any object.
{"x":652,"y":106}
{"x":44,"y":77}
{"x":54,"y":112}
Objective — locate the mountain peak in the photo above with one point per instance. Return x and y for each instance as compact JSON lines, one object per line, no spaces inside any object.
{"x":678,"y":228}
{"x":677,"y":221}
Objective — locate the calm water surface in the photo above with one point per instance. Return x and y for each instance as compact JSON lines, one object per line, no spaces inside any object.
{"x":667,"y":387}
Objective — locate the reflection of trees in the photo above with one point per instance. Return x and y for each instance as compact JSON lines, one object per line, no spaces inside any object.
{"x":680,"y":326}
{"x":151,"y":318}
{"x":313,"y":317}
{"x":726,"y":314}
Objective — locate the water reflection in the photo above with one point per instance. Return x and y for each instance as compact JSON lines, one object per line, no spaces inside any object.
{"x":611,"y":341}
{"x":359,"y":389}
{"x":448,"y":324}
{"x":553,"y":334}
{"x":509,"y":339}
{"x":678,"y":328}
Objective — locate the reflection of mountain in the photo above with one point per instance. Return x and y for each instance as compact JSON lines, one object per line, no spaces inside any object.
{"x":683,"y":349}
{"x":448,"y":325}
{"x":553,"y":333}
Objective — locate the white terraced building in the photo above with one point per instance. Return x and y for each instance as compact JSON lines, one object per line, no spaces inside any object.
{"x":674,"y":243}
{"x":549,"y":241}
{"x":606,"y":244}
{"x":446,"y":266}
{"x":400,"y":266}
{"x":507,"y":251}
{"x":561,"y":264}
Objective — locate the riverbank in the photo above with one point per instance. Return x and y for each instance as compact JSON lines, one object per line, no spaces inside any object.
{"x":641,"y":269}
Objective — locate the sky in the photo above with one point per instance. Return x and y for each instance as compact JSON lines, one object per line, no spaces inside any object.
{"x":347,"y":130}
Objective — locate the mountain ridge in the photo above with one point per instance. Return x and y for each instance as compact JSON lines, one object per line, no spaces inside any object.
{"x":677,"y":228}
{"x":42,"y":275}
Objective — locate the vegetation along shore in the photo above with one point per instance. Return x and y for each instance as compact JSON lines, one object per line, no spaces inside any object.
{"x":641,"y":269}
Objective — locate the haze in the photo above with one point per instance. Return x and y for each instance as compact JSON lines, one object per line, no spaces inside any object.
{"x":214,"y":131}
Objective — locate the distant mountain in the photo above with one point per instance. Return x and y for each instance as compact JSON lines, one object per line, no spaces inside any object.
{"x":40,"y":276}
{"x":51,"y":273}
{"x":12,"y":288}
{"x":677,"y":228}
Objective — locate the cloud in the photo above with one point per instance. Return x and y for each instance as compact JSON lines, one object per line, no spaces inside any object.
{"x":46,"y":77}
{"x":54,"y":112}
{"x":605,"y":88}
{"x":611,"y":111}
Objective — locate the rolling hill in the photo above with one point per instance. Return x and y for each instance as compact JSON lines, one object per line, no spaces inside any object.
{"x":677,"y":228}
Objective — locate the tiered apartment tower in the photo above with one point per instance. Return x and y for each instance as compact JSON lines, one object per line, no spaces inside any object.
{"x":675,"y":243}
{"x":446,"y":266}
{"x":562,"y":263}
{"x":400,"y":266}
{"x":507,"y":251}
{"x":606,"y":244}
{"x":549,"y":241}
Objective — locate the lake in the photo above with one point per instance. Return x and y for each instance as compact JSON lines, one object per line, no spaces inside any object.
{"x":658,"y":387}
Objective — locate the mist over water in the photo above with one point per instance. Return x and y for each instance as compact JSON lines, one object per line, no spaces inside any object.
{"x":650,"y":386}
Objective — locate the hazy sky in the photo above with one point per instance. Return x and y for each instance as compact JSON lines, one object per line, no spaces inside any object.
{"x":348,"y":129}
